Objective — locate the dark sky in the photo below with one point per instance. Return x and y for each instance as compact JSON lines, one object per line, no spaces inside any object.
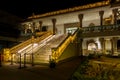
{"x":25,"y":8}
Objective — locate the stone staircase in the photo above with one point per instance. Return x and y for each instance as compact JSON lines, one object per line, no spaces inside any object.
{"x":42,"y":50}
{"x":43,"y":54}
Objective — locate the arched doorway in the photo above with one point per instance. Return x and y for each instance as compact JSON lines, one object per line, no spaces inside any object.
{"x":92,"y":47}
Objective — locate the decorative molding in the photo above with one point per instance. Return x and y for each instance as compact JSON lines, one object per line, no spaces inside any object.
{"x":78,"y":8}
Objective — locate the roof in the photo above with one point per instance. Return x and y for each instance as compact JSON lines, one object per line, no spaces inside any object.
{"x":68,"y":10}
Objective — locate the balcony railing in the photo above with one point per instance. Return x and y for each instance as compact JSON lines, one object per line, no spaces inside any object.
{"x":101,"y":28}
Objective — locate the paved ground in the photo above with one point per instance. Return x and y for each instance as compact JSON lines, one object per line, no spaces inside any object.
{"x":39,"y":72}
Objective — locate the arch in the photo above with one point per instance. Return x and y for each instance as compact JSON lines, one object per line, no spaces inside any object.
{"x":91,"y":24}
{"x":92,"y":45}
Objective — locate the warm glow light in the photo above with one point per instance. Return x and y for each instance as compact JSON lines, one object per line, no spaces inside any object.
{"x":56,"y":52}
{"x":97,"y":4}
{"x":6,"y":51}
{"x":24,"y":48}
{"x":92,"y":46}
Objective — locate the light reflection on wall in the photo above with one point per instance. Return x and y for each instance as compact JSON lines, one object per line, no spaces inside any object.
{"x":92,"y":46}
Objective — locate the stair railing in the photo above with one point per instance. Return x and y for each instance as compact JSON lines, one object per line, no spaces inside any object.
{"x":57,"y":52}
{"x":27,"y":42}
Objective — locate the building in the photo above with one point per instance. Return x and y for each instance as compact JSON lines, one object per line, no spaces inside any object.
{"x":99,"y":23}
{"x":94,"y":29}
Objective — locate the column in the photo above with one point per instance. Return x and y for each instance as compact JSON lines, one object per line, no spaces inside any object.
{"x":114,"y":45}
{"x":80,"y":16}
{"x":25,"y":28}
{"x":80,"y":47}
{"x":54,"y":25}
{"x":101,"y":13}
{"x":114,"y":11}
{"x":102,"y":42}
{"x":25,"y":31}
{"x":40,"y":26}
{"x":33,"y":27}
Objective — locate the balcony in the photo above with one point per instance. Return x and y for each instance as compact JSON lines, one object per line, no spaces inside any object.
{"x":97,"y":31}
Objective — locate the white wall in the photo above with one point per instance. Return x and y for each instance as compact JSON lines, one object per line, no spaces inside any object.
{"x":60,"y":29}
{"x":50,"y":28}
{"x":87,"y":23}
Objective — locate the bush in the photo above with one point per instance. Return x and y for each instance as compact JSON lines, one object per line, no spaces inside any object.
{"x":94,"y":56}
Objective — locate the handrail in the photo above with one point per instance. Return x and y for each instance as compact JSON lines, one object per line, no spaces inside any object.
{"x":56,"y":52}
{"x":24,"y":51}
{"x":25,"y":43}
{"x":101,"y":28}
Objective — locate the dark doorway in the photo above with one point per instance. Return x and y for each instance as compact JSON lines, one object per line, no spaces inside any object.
{"x":118,"y":21}
{"x":118,"y":45}
{"x":44,"y":28}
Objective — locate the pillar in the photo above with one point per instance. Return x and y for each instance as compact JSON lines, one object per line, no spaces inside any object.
{"x":54,"y":25}
{"x":25,"y":28}
{"x":33,"y":27}
{"x":80,"y":16}
{"x":114,"y":45}
{"x":40,"y":25}
{"x":114,"y":11}
{"x":102,"y":42}
{"x":101,"y":13}
{"x":79,"y":47}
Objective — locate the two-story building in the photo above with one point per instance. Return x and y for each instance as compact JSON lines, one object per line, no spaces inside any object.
{"x":99,"y":23}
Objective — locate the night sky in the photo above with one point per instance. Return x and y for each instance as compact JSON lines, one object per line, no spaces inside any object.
{"x":25,"y":8}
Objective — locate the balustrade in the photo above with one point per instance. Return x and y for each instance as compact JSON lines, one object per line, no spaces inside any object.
{"x":57,"y":52}
{"x":101,"y":28}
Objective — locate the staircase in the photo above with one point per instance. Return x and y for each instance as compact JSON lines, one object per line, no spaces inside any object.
{"x":24,"y":46}
{"x":43,"y":54}
{"x":49,"y":49}
{"x":42,"y":51}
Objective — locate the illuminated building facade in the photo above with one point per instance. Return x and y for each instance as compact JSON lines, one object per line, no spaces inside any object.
{"x":99,"y":23}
